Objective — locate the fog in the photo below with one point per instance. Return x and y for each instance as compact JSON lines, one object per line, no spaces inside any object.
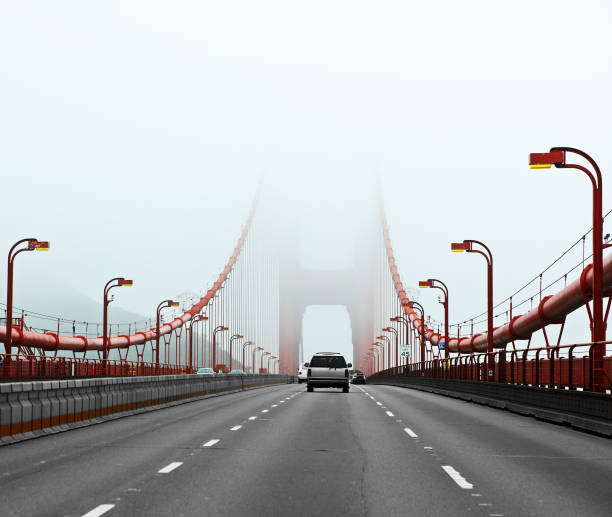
{"x":133,"y":135}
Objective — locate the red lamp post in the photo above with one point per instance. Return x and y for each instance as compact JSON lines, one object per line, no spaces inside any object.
{"x":406,"y":323}
{"x":218,"y":328}
{"x":244,"y":345}
{"x":270,"y":358}
{"x":254,"y":354}
{"x":105,"y":302}
{"x":261,"y":360}
{"x":395,"y":333}
{"x":377,"y":350}
{"x":438,"y":284}
{"x":556,"y":157}
{"x":162,"y":305}
{"x":231,"y":347}
{"x":468,"y":245}
{"x":198,"y":318}
{"x":33,"y":244}
{"x":386,"y":363}
{"x":417,"y":305}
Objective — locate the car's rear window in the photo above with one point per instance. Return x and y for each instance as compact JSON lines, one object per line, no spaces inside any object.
{"x":328,"y":361}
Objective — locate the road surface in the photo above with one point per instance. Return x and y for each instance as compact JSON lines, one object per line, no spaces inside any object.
{"x":376,"y":451}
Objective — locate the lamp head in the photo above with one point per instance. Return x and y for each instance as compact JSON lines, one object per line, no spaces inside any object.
{"x":546,"y":160}
{"x":458,"y":247}
{"x":38,"y":245}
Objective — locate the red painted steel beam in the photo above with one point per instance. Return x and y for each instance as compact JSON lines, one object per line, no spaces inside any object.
{"x":50,"y":341}
{"x":551,"y":310}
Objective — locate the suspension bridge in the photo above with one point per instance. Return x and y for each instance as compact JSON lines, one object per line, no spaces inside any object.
{"x":512,"y":355}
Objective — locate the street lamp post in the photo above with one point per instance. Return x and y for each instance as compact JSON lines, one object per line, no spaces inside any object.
{"x":395,"y":333}
{"x":406,"y":323}
{"x":261,"y":360}
{"x":162,"y":305}
{"x":438,"y":284}
{"x":556,"y":157}
{"x":195,"y":320}
{"x":231,"y":347}
{"x":109,"y":285}
{"x":417,"y":305}
{"x":386,"y":362}
{"x":244,"y":345}
{"x":255,"y":350}
{"x":468,"y":245}
{"x":375,"y":348}
{"x":218,"y":328}
{"x":33,"y":244}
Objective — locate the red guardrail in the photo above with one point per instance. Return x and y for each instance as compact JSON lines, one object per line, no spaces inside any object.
{"x":41,"y":367}
{"x":560,"y":367}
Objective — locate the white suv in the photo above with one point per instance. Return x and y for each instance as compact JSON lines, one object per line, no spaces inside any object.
{"x":328,"y":370}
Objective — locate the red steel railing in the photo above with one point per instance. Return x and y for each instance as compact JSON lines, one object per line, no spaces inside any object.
{"x":559,"y":367}
{"x":40,"y":367}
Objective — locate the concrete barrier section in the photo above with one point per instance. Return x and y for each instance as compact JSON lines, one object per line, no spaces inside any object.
{"x":34,"y":408}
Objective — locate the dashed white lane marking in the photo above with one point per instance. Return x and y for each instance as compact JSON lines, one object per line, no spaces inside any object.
{"x":485,"y":504}
{"x":169,"y":468}
{"x":265,"y":410}
{"x":235,"y":428}
{"x":274,"y":405}
{"x":380,"y":404}
{"x":281,"y":401}
{"x":252,"y":417}
{"x":210,"y":443}
{"x":99,"y":510}
{"x":427,"y":448}
{"x":389,"y":413}
{"x":410,"y":432}
{"x":476,"y":495}
{"x":457,"y":478}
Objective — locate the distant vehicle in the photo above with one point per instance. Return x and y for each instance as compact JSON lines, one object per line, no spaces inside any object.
{"x":237,"y":372}
{"x":358,"y":378}
{"x":328,"y":370}
{"x":302,"y":373}
{"x":205,"y":371}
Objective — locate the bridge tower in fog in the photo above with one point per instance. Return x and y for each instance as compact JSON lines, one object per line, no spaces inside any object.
{"x":339,"y":221}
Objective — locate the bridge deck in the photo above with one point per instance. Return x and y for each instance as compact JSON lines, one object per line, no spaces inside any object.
{"x":379,"y":450}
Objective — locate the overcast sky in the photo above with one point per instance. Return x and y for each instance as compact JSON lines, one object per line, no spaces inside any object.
{"x":133,"y":133}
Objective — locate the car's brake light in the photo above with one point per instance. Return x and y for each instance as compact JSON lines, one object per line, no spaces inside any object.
{"x":309,"y":372}
{"x":346,"y":373}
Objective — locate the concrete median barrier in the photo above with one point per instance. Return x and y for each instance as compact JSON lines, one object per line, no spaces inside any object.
{"x":30,"y":409}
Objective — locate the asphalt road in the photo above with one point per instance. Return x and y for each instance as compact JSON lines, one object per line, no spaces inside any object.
{"x":378,"y":450}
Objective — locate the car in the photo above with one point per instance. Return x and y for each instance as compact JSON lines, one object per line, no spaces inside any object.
{"x":205,"y":371}
{"x":358,"y":378}
{"x":237,"y":372}
{"x":327,"y":370}
{"x":302,"y":373}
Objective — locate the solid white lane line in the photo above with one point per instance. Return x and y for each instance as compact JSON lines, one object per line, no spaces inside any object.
{"x":389,"y":413}
{"x":410,"y":432}
{"x":379,"y":403}
{"x":252,"y":417}
{"x":265,"y":410}
{"x":457,"y":478}
{"x":210,"y":443}
{"x":99,"y":510}
{"x":169,"y":468}
{"x":235,"y":428}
